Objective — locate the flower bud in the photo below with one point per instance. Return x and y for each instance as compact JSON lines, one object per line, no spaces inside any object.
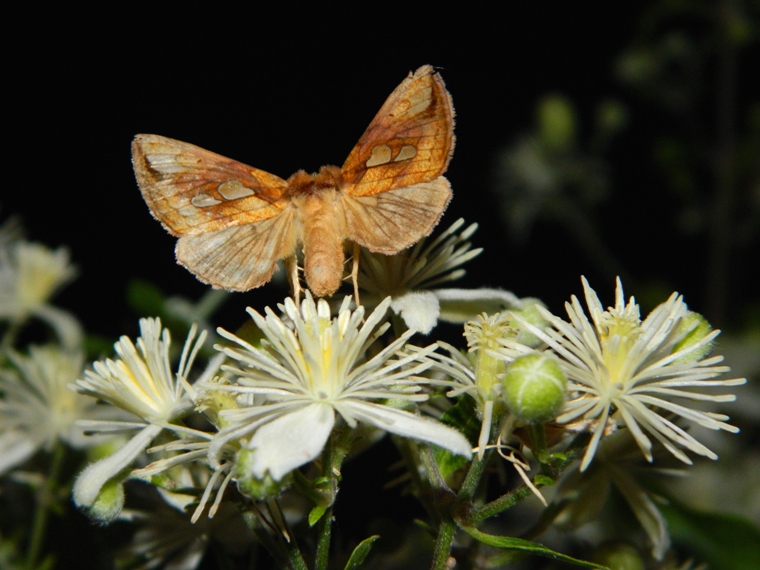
{"x":534,"y":388}
{"x":556,"y":119}
{"x":619,"y":556}
{"x":109,"y":502}
{"x":698,"y":328}
{"x":251,"y":486}
{"x":528,"y":312}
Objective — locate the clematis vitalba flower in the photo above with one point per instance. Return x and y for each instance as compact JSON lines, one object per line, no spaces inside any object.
{"x":636,"y":373}
{"x":303,"y":379}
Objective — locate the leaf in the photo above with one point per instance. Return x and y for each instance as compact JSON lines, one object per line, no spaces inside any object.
{"x":316,"y":514}
{"x":726,"y":542}
{"x":145,"y":298}
{"x":463,"y":417}
{"x":360,"y":552}
{"x":513,"y":543}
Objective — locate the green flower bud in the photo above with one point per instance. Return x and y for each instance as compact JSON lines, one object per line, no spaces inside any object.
{"x":253,"y":487}
{"x":530,"y":313}
{"x":698,"y":328}
{"x":619,"y":556}
{"x":109,"y":502}
{"x":611,"y":117}
{"x":556,"y":119}
{"x":534,"y":388}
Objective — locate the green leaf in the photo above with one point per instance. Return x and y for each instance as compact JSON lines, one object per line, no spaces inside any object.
{"x":464,"y":418}
{"x":316,"y":514}
{"x":145,"y":298}
{"x":726,"y":542}
{"x":360,"y":552}
{"x":543,"y":481}
{"x":512,"y":543}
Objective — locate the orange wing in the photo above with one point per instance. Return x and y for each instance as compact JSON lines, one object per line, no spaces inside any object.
{"x":409,"y":141}
{"x":231,"y":219}
{"x":192,"y":191}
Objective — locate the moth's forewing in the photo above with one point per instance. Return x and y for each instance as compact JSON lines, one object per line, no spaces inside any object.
{"x":409,"y":141}
{"x":191,"y":190}
{"x":389,"y":222}
{"x":235,"y":221}
{"x":239,"y":258}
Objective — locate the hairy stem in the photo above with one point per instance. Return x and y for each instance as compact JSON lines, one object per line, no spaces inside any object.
{"x":443,"y":543}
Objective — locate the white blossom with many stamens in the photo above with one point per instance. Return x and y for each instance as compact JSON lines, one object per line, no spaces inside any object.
{"x":139,"y":381}
{"x":630,"y":372}
{"x":302,"y":379}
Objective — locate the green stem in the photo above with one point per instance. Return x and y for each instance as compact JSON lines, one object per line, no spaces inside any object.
{"x":506,"y":501}
{"x":42,"y":510}
{"x":471,"y":481}
{"x":538,"y":442}
{"x":295,"y":558}
{"x":335,"y":452}
{"x":443,"y":543}
{"x":323,"y":540}
{"x":510,"y":499}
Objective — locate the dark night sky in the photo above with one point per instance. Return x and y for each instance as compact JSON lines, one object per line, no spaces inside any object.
{"x":283,"y":89}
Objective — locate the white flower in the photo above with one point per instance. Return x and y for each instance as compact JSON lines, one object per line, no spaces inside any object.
{"x":409,"y":276}
{"x":301,"y":378}
{"x":37,"y":407}
{"x":30,"y":274}
{"x":140,"y":381}
{"x":629,"y":371}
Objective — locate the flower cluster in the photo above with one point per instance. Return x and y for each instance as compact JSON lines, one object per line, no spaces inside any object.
{"x":628,"y":371}
{"x":273,"y":409}
{"x":304,"y":377}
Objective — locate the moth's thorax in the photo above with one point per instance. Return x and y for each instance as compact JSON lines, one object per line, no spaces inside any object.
{"x":323,"y":227}
{"x":304,"y":184}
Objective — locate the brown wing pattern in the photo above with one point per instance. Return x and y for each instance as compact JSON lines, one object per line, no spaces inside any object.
{"x":191,"y":190}
{"x":239,"y":258}
{"x":391,"y":221}
{"x":409,"y":141}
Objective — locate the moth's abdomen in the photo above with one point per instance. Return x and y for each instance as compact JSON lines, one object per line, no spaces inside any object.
{"x":323,"y":227}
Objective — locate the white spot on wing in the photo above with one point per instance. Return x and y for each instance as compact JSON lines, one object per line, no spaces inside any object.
{"x":204,"y":201}
{"x":407,"y":151}
{"x":234,"y":190}
{"x":381,"y":154}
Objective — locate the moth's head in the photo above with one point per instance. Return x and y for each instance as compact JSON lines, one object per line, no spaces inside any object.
{"x":304,"y":184}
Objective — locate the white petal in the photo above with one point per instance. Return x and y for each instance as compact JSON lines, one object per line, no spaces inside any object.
{"x":408,"y":425}
{"x":291,"y":440}
{"x":92,"y":479}
{"x":462,"y":305}
{"x":419,"y":309}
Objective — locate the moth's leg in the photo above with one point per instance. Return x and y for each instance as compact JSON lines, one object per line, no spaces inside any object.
{"x":291,"y":265}
{"x":355,"y":272}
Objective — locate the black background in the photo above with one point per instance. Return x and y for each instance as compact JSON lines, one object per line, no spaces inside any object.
{"x":291,"y":87}
{"x":288,"y":88}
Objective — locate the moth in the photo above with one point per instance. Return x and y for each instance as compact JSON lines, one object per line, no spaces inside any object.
{"x":234,"y":222}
